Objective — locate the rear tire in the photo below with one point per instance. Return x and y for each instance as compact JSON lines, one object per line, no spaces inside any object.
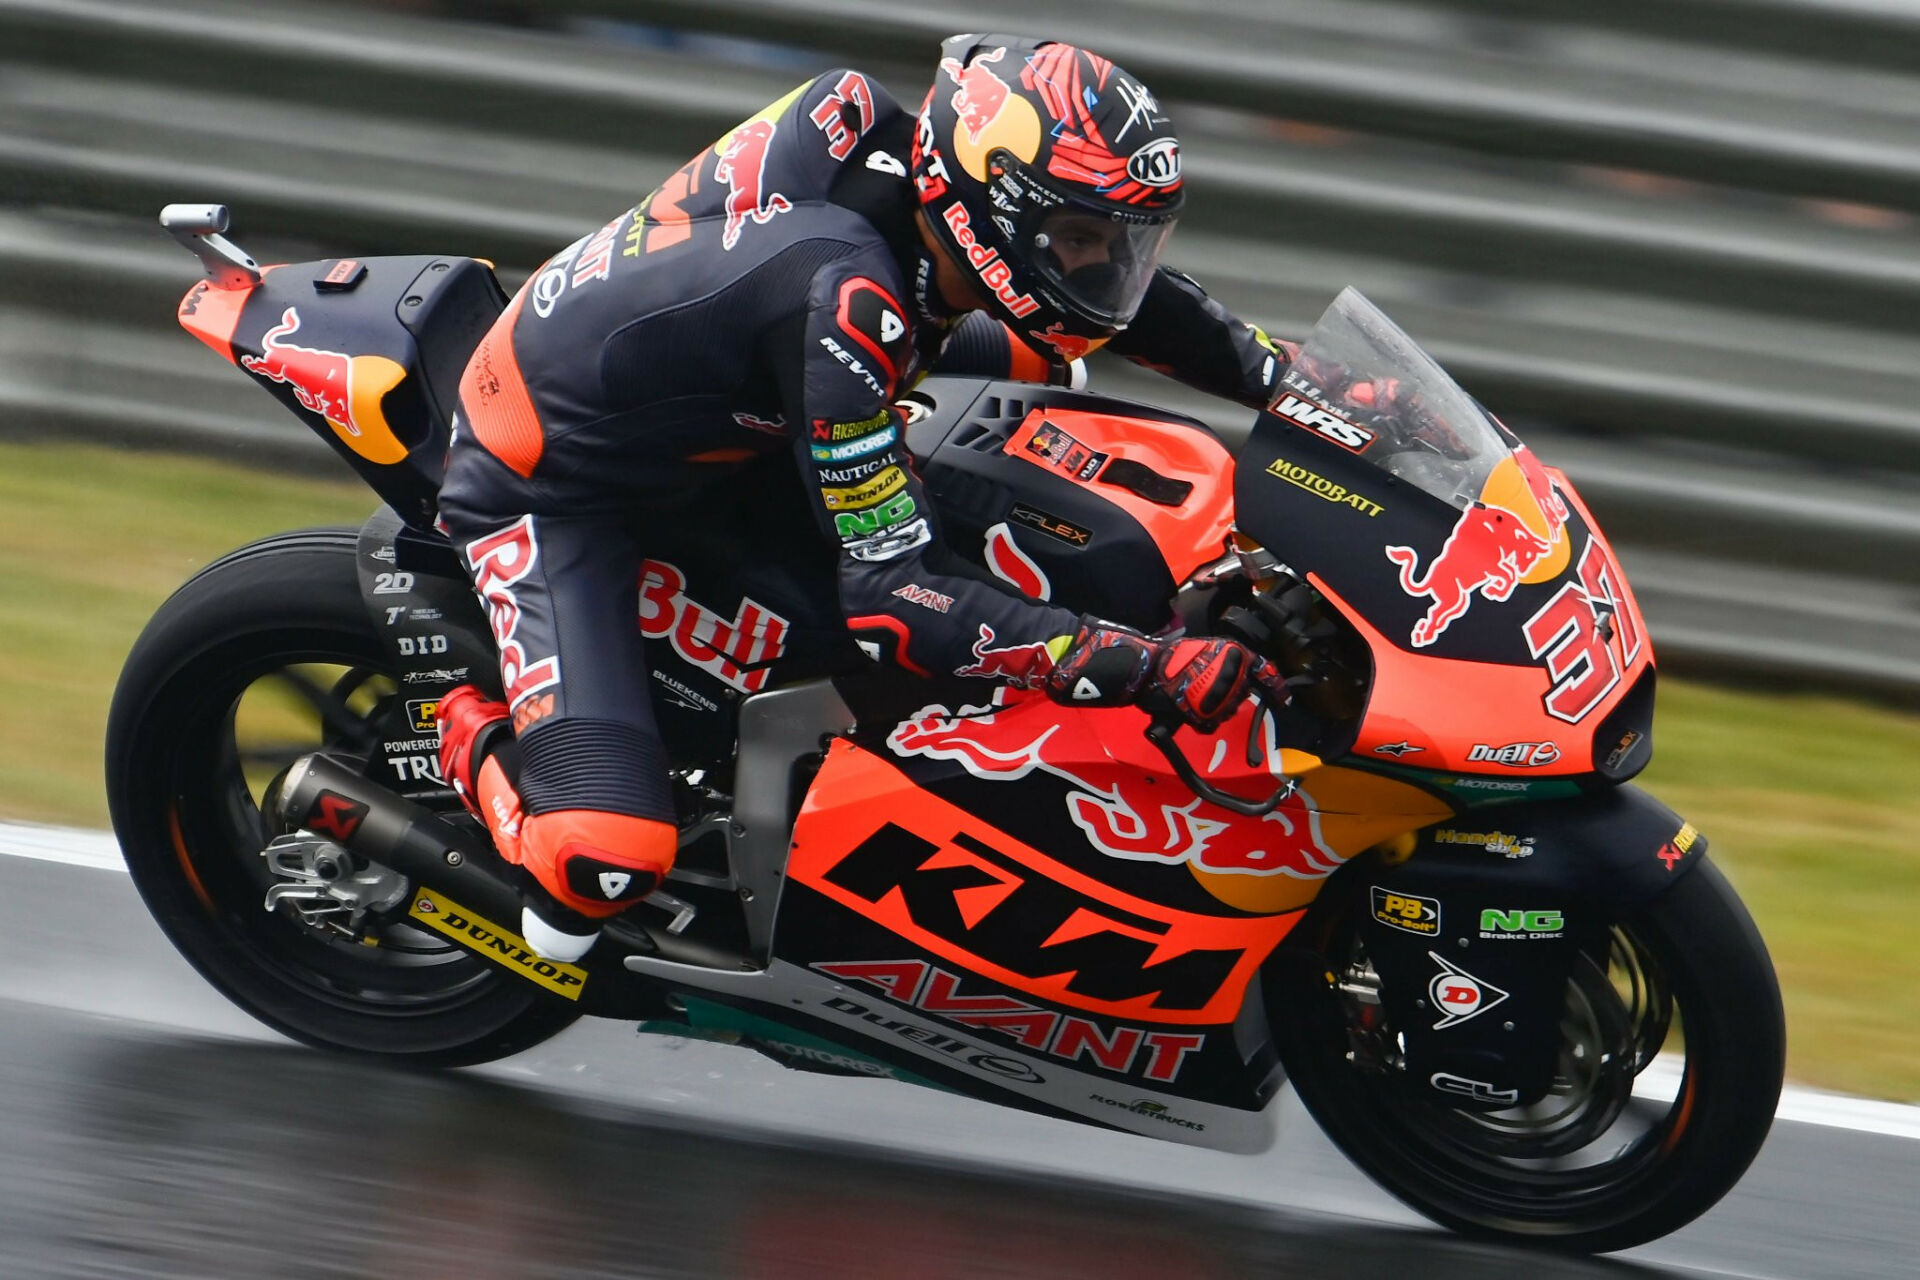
{"x":184,"y":778}
{"x":1641,"y":1167}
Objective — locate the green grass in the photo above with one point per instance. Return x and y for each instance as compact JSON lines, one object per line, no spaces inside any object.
{"x":1812,"y":804}
{"x":93,"y":540}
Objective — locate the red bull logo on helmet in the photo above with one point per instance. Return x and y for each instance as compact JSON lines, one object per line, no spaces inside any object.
{"x":345,"y":390}
{"x":743,"y":167}
{"x":1126,"y":810}
{"x":981,"y":96}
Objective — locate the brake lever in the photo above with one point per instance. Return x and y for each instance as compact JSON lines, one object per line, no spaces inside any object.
{"x":1160,"y":733}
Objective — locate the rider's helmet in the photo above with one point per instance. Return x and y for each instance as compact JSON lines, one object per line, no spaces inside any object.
{"x":1052,"y":178}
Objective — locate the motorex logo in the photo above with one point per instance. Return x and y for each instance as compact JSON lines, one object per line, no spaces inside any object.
{"x":856,"y":449}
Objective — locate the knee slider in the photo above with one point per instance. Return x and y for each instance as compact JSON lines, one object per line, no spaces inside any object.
{"x":598,"y":863}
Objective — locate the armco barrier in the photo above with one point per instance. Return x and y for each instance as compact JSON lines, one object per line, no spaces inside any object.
{"x":1684,"y":265}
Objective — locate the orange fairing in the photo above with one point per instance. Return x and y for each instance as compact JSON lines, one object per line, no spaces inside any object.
{"x":956,"y":891}
{"x":1447,"y":705}
{"x":1189,"y":535}
{"x":212,"y":315}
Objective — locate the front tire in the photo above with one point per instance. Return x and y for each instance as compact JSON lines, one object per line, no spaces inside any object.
{"x":266,"y":654}
{"x":1606,"y":1161}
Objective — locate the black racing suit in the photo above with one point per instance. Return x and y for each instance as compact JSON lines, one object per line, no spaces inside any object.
{"x":773,"y":294}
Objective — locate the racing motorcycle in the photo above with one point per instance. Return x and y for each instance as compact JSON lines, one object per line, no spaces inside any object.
{"x":1507,"y":983}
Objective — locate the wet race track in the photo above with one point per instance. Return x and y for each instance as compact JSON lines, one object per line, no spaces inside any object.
{"x":147,"y":1129}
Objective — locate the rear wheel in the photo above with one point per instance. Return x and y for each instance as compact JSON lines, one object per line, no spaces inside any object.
{"x":1670,"y":1066}
{"x":264,"y":656}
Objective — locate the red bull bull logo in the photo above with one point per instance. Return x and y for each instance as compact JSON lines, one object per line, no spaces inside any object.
{"x":343,"y":389}
{"x":1489,"y":551}
{"x":981,"y":95}
{"x":1128,"y":809}
{"x":743,"y":167}
{"x":1017,"y":662}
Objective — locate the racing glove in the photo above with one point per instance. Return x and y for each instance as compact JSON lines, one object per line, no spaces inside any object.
{"x":1202,"y":680}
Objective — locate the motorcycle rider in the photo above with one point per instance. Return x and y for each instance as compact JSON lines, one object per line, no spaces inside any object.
{"x":777,"y":293}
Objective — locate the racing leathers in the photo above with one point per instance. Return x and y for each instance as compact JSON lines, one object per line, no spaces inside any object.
{"x":774,"y":294}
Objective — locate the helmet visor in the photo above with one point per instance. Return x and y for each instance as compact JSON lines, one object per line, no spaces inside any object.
{"x":1101,"y":261}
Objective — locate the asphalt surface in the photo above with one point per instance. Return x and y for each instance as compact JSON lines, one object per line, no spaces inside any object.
{"x":148,"y":1129}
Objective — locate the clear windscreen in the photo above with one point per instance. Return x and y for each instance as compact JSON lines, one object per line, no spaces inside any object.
{"x":1394,"y":406}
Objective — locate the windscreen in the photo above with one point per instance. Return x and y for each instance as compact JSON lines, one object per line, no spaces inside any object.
{"x":1364,"y":384}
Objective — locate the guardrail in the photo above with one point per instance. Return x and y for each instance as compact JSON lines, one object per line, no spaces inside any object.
{"x":1728,"y":370}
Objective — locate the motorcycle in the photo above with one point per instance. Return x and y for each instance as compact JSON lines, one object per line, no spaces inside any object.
{"x":1507,"y":983}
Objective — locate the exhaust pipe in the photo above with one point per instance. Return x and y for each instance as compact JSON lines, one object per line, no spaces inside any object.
{"x":332,"y":800}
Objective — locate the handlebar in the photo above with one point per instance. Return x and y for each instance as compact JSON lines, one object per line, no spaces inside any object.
{"x":1160,"y":731}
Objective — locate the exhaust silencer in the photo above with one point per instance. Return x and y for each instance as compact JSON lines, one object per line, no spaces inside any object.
{"x":331,"y":800}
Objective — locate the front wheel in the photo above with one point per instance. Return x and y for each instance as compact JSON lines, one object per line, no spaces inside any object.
{"x":266,"y":655}
{"x":1671,"y":1062}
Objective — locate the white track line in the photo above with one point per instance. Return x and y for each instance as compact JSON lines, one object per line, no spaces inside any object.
{"x":98,"y":850}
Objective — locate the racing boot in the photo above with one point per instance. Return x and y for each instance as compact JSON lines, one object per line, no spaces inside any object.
{"x":580,"y":865}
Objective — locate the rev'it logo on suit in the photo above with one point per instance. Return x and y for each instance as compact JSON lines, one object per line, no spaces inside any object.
{"x":874,"y":319}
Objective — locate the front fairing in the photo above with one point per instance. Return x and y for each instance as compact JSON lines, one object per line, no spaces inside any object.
{"x":1503,"y":634}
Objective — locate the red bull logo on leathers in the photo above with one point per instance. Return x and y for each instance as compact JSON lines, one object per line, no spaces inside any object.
{"x":345,"y":390}
{"x":743,"y":167}
{"x":982,"y":94}
{"x":1127,"y":809}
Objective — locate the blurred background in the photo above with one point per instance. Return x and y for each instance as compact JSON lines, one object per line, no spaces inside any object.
{"x":1673,"y":242}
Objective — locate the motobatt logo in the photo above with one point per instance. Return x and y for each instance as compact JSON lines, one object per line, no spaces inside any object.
{"x":1321,"y":487}
{"x":993,"y":273}
{"x":1521,"y":755}
{"x":919,"y":985}
{"x":1323,"y":421}
{"x":1458,"y":995}
{"x":502,"y":946}
{"x":1406,"y":911}
{"x":739,"y":652}
{"x":1491,"y":841}
{"x":1025,"y":922}
{"x":345,"y":390}
{"x":743,"y":167}
{"x":1126,"y":811}
{"x":499,"y":561}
